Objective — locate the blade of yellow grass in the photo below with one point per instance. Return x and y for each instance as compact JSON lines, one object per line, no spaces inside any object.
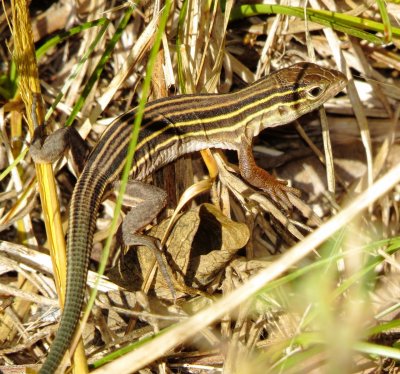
{"x":29,"y":88}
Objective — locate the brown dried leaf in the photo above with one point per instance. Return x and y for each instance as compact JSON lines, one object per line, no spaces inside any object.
{"x":201,"y":244}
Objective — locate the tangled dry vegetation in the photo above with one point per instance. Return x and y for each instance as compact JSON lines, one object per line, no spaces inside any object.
{"x":332,"y":308}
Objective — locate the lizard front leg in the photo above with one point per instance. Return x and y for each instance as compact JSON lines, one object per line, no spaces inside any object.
{"x":49,"y":148}
{"x":259,"y":177}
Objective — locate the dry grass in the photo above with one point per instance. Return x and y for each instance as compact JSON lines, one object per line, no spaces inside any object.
{"x":286,"y":302}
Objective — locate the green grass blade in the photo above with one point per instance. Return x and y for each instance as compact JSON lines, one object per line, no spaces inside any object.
{"x":384,"y":327}
{"x":378,"y":350}
{"x":78,"y":68}
{"x":67,"y":34}
{"x":356,"y":26}
{"x":179,"y":43}
{"x":130,"y":152}
{"x":100,"y":66}
{"x":387,"y":27}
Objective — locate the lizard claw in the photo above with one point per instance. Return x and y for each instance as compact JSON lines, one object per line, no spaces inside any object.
{"x":279,"y":191}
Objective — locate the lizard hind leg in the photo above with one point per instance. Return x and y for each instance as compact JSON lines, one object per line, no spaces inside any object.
{"x":146,"y":202}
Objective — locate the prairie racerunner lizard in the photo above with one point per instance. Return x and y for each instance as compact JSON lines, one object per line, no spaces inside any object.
{"x":172,"y":127}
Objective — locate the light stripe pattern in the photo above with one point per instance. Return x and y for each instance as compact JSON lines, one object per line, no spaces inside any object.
{"x":172,"y":127}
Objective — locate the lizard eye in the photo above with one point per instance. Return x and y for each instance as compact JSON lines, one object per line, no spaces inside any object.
{"x":315,"y":92}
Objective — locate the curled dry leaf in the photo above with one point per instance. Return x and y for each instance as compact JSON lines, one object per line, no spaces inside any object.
{"x":200,"y":245}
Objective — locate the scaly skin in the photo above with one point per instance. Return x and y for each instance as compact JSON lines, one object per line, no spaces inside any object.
{"x":171,"y":128}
